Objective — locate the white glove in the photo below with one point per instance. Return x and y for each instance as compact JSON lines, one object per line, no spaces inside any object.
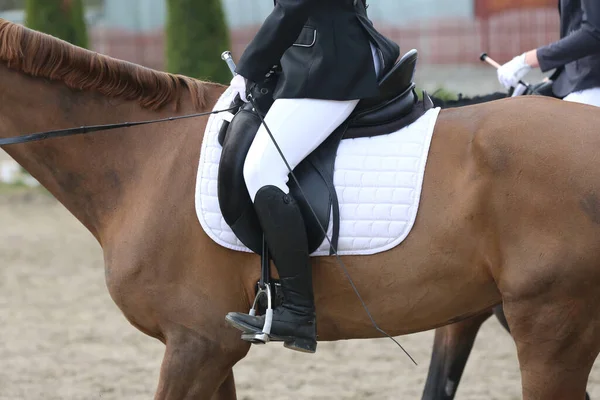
{"x":513,"y":71}
{"x":238,"y":85}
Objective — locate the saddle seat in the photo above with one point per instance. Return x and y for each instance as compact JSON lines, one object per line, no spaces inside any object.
{"x":395,"y":107}
{"x":396,"y":96}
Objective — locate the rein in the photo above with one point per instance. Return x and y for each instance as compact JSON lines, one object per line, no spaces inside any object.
{"x":33,"y":137}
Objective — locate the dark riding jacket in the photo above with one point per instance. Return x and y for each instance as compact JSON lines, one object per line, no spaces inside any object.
{"x":577,"y":54}
{"x":323,"y":48}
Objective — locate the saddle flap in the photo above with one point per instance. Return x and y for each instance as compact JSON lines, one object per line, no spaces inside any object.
{"x":234,"y":200}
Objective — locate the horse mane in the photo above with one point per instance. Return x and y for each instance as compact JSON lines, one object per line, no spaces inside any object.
{"x":44,"y":56}
{"x":466,"y":101}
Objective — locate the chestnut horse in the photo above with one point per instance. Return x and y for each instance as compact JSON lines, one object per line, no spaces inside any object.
{"x":510,"y":213}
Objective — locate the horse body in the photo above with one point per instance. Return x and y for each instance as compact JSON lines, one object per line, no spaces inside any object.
{"x":509,"y":213}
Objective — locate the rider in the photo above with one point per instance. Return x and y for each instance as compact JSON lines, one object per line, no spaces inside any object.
{"x":576,"y":56}
{"x":331,"y":56}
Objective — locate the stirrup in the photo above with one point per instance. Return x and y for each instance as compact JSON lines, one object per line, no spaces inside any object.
{"x":264,"y":289}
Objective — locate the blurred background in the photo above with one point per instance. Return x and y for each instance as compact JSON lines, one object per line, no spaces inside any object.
{"x":449,"y":34}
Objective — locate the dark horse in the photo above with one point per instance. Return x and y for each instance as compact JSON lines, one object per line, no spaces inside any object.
{"x":509,"y":214}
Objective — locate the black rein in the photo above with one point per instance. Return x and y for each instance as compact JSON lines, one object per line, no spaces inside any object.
{"x":96,"y":128}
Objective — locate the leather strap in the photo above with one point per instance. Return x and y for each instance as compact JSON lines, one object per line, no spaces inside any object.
{"x":325,"y":167}
{"x":33,"y":137}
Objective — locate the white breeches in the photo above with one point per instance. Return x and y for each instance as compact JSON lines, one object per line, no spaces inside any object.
{"x":299,"y":126}
{"x":588,"y":96}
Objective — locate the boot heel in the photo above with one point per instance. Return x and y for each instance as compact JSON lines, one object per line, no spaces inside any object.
{"x":300,"y":344}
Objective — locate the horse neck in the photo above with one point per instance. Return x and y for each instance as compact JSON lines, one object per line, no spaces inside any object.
{"x":93,"y":175}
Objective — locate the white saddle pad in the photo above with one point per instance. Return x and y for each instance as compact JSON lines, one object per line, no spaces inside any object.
{"x":378,"y":182}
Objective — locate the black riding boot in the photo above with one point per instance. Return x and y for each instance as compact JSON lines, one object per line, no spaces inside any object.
{"x":294,"y":321}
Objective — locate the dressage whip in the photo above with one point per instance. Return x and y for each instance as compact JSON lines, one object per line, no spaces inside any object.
{"x":226,"y":56}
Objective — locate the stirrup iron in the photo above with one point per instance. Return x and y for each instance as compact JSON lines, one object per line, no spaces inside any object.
{"x":264,"y":289}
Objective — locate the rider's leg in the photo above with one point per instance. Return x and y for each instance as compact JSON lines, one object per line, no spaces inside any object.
{"x":588,"y":96}
{"x":298,"y":126}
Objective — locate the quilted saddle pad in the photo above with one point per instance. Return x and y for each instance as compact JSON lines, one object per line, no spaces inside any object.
{"x":378,"y":182}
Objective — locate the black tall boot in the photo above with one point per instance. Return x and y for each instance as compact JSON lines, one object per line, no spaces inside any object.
{"x":293,"y":321}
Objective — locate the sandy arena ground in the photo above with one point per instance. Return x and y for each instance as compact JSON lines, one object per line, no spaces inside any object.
{"x":64,"y":338}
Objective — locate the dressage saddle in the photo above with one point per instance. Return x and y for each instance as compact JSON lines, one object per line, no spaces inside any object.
{"x":396,"y":106}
